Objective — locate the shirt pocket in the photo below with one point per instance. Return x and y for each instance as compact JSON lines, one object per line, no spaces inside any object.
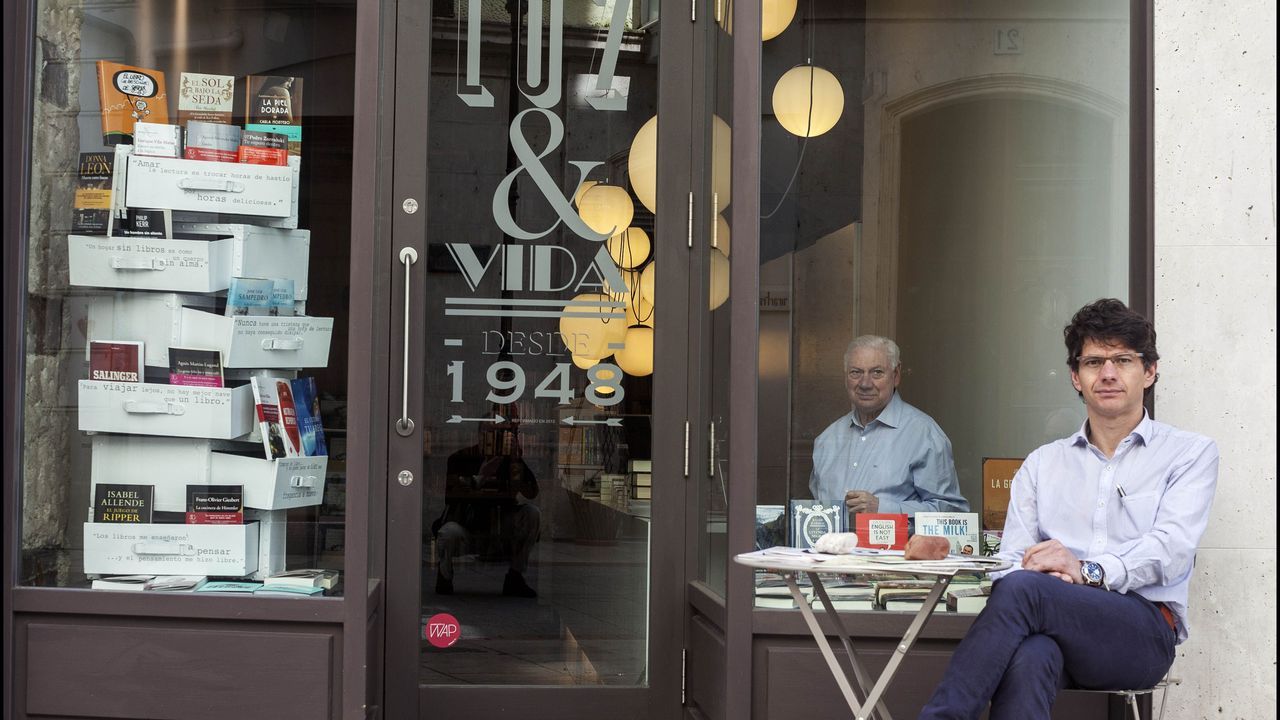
{"x":1138,"y":512}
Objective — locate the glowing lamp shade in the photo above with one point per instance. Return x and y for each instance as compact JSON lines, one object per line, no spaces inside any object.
{"x":720,"y":241}
{"x":582,"y":190}
{"x":589,"y":337}
{"x":775,"y":16}
{"x":791,"y":101}
{"x":584,"y":362}
{"x":639,"y":311}
{"x":604,"y":375}
{"x":646,"y":282}
{"x":629,"y":248}
{"x":642,"y":164}
{"x":721,"y":162}
{"x":636,"y":359}
{"x":719,"y":279}
{"x":606,"y":208}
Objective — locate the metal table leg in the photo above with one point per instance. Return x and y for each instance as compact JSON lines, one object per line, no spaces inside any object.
{"x":816,"y":630}
{"x":846,"y":639}
{"x":909,"y":639}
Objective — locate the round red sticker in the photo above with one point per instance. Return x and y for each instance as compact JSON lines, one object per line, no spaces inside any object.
{"x":442,"y":630}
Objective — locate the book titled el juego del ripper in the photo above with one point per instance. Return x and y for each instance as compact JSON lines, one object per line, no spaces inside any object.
{"x":115,"y":360}
{"x":115,"y":503}
{"x":215,"y":505}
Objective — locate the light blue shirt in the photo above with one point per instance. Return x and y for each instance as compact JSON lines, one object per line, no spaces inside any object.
{"x":902,"y":457}
{"x":1139,"y":514}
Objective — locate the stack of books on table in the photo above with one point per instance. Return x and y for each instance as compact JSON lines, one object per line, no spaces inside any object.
{"x":899,"y":595}
{"x":641,"y":478}
{"x":968,"y":599}
{"x":852,"y":595}
{"x":151,"y":583}
{"x":311,"y":581}
{"x":772,"y":592}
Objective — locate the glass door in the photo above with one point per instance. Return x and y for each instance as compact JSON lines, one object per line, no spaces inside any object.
{"x":537,"y":501}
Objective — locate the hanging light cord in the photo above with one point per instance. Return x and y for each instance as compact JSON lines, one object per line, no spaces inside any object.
{"x":804,"y":144}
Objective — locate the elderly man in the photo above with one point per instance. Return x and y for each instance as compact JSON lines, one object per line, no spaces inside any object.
{"x":885,"y":455}
{"x":1102,"y":530}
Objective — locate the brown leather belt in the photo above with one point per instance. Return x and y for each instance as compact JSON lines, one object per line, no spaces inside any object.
{"x":1168,"y":616}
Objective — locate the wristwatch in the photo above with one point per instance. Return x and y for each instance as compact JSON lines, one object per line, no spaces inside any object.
{"x":1092,"y":573}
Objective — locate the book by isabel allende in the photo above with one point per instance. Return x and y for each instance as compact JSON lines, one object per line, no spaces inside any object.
{"x":205,"y":98}
{"x":195,"y":366}
{"x":92,"y":204}
{"x":882,"y":531}
{"x":115,"y":360}
{"x":128,"y":95}
{"x":114,"y":503}
{"x":215,"y":505}
{"x":273,"y":103}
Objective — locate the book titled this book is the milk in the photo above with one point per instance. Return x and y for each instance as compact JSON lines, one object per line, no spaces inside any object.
{"x":960,"y":529}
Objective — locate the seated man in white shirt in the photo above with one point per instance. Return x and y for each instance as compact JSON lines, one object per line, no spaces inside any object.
{"x":1102,"y":530}
{"x":885,"y":455}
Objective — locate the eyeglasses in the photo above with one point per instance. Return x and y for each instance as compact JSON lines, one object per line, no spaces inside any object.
{"x":1122,"y":361}
{"x":875,"y":373}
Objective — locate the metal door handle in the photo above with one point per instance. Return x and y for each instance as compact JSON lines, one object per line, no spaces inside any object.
{"x":404,"y":426}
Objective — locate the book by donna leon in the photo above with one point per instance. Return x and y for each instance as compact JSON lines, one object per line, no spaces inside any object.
{"x":92,"y":203}
{"x":115,"y":360}
{"x":128,"y":95}
{"x":114,"y":503}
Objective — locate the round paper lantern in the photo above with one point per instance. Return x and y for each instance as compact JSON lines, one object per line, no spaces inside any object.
{"x":582,"y":189}
{"x":585,"y":362}
{"x":636,"y":359}
{"x":604,"y":375}
{"x":642,"y":164}
{"x":719,"y":279}
{"x":589,"y":337}
{"x":639,"y":311}
{"x":775,"y":16}
{"x":791,"y":100}
{"x":721,"y":162}
{"x":721,"y":238}
{"x":629,"y":248}
{"x":646,"y":283}
{"x":606,"y":208}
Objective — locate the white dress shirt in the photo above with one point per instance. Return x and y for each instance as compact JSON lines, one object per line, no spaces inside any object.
{"x":1139,"y":514}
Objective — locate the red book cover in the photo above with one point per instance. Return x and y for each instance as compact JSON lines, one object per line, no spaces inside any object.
{"x":115,"y":360}
{"x":882,"y":531}
{"x":197,"y":153}
{"x":263,"y":148}
{"x":215,"y":505}
{"x":289,"y":419}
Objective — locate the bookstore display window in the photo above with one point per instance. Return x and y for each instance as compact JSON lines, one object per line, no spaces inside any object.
{"x":185,"y":350}
{"x":958,"y":181}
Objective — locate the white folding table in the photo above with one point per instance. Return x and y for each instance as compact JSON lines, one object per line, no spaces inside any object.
{"x":790,"y":562}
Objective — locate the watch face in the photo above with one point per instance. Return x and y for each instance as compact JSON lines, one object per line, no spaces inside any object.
{"x":1092,"y":572}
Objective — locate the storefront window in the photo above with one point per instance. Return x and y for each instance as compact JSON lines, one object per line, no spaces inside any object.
{"x":958,"y":183}
{"x":187,"y":281}
{"x":540,"y":303}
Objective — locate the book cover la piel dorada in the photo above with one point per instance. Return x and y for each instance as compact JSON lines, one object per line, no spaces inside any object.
{"x":273,"y":103}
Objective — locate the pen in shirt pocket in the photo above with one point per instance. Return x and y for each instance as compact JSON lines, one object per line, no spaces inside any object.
{"x":1120,"y":489}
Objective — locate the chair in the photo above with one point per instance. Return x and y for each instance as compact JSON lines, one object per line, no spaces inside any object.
{"x":1131,"y":696}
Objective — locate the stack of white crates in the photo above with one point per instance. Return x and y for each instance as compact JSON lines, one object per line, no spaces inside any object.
{"x":164,"y":293}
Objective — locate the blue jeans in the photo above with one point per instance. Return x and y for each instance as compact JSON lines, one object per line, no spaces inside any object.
{"x":1039,"y":634}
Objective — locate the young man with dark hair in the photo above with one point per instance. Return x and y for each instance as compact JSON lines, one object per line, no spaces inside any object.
{"x":1102,"y":531}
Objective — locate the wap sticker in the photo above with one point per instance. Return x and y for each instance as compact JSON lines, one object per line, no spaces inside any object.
{"x":442,"y":630}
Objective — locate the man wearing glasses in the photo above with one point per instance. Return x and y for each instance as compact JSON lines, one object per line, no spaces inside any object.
{"x":885,"y":455}
{"x":1102,"y":531}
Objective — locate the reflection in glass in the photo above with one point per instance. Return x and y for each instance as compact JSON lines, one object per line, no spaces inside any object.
{"x":542,"y":170}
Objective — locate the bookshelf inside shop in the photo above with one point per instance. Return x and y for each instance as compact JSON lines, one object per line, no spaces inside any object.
{"x":609,"y":487}
{"x":217,"y":451}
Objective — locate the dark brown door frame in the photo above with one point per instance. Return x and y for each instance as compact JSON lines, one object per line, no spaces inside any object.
{"x":406,"y":98}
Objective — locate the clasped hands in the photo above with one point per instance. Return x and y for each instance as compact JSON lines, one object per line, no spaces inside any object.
{"x":1050,"y":557}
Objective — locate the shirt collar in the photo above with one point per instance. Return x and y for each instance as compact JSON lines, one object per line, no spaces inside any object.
{"x":1144,"y":430}
{"x":890,"y":416}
